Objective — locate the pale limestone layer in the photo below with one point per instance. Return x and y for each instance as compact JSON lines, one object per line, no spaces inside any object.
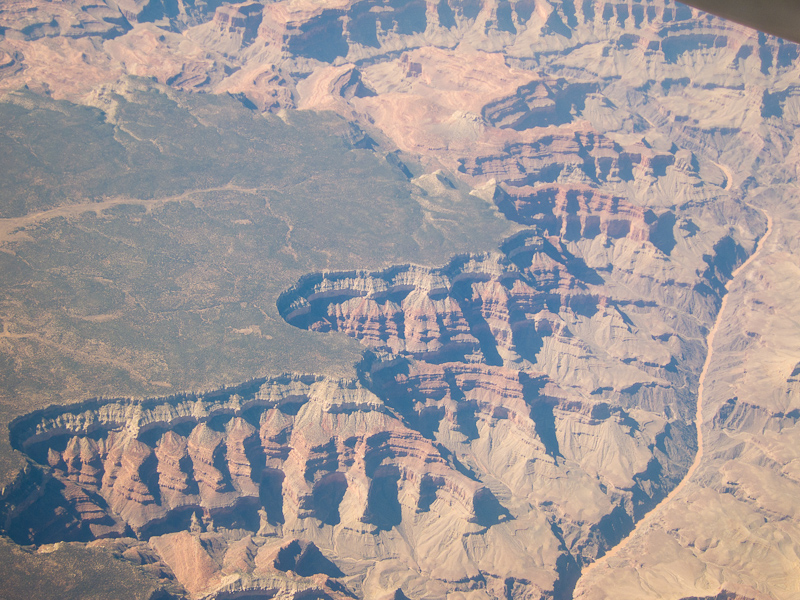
{"x":732,"y":527}
{"x":627,"y":135}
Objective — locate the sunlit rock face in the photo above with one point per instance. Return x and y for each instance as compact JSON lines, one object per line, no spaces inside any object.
{"x":299,"y":458}
{"x":505,"y":395}
{"x":515,"y":412}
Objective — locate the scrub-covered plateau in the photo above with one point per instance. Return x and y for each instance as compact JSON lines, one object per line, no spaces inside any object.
{"x":427,"y":299}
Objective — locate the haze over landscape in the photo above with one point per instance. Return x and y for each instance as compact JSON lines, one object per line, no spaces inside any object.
{"x":398,"y":299}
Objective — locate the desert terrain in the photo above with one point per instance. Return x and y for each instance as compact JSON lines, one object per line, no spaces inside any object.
{"x":425,"y":299}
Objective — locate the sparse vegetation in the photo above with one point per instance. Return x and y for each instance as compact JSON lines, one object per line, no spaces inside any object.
{"x":160,"y":269}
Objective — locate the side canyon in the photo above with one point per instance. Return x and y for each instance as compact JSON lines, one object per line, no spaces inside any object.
{"x":414,"y":297}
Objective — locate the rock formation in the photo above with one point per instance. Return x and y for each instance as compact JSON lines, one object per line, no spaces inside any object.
{"x":517,"y":413}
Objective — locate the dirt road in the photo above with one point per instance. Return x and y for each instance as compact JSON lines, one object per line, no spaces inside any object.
{"x":645,"y":522}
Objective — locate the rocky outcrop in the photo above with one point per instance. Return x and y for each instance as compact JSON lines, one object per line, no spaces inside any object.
{"x":346,"y":29}
{"x":200,"y":475}
{"x":172,"y":459}
{"x":750,"y":594}
{"x":538,"y":104}
{"x":456,"y":340}
{"x":486,"y":349}
{"x":260,"y":459}
{"x":240,"y":20}
{"x":73,"y":19}
{"x":516,"y":411}
{"x":556,"y":156}
{"x":299,"y":37}
{"x":574,"y":212}
{"x":478,"y":309}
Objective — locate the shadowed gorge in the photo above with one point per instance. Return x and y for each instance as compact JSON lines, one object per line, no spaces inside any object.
{"x":422,"y":299}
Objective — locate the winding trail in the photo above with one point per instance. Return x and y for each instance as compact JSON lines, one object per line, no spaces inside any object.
{"x":648,"y":518}
{"x":728,"y":176}
{"x":12,"y":228}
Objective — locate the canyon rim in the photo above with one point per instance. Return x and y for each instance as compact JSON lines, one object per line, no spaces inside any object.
{"x":425,"y":299}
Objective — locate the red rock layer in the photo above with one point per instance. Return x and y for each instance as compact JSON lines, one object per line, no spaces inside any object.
{"x":573,"y":212}
{"x":553,"y":153}
{"x":323,"y":465}
{"x":475,"y":310}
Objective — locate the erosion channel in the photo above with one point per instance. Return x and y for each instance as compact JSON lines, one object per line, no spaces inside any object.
{"x":524,"y":398}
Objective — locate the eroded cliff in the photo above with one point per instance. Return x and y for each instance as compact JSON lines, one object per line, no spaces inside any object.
{"x":515,"y":412}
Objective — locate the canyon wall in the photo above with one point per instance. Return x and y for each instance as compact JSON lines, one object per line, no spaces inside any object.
{"x":516,"y":414}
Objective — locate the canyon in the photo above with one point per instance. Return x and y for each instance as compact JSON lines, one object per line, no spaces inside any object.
{"x":463,"y":299}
